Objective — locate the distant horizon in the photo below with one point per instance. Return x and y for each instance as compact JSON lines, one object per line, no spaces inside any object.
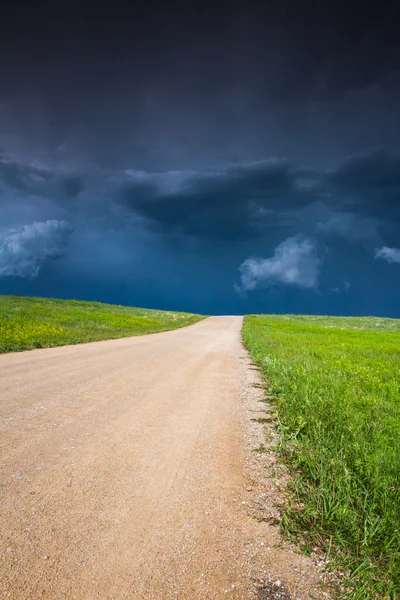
{"x":67,"y":299}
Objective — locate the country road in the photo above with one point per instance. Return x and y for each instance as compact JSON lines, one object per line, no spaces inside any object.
{"x":123,"y":469}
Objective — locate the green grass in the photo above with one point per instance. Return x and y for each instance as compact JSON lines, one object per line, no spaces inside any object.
{"x":27,"y":323}
{"x":335,"y":383}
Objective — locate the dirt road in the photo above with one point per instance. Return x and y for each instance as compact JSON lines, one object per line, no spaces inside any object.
{"x":123,"y":469}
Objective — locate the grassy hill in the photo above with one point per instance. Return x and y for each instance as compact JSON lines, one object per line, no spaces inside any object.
{"x":27,"y":323}
{"x":335,"y":386}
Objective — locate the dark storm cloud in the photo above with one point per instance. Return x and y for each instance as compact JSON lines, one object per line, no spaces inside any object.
{"x":369,"y":172}
{"x":364,"y":192}
{"x":175,"y":87}
{"x":238,"y":203}
{"x":28,"y":179}
{"x":245,"y":201}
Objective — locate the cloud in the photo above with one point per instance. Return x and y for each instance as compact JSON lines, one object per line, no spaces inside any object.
{"x":24,"y":250}
{"x":369,"y":171}
{"x":295,"y":262}
{"x":238,"y":203}
{"x":353,"y":228}
{"x":355,"y":200}
{"x":358,"y":198}
{"x":28,"y":179}
{"x":366,"y":183}
{"x":391,"y":255}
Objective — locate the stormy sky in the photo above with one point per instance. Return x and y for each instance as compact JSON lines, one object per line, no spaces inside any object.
{"x":209,"y":157}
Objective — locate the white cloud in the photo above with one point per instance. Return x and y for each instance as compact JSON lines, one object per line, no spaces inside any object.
{"x":295,"y":262}
{"x":24,"y":250}
{"x":392,"y":255}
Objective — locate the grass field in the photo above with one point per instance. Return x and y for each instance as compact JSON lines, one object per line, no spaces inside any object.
{"x":27,"y":323}
{"x":335,"y":384}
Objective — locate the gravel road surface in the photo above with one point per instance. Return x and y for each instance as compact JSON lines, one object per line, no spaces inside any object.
{"x":124,"y":471}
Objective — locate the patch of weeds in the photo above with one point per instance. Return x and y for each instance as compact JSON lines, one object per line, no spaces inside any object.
{"x":275,"y":473}
{"x":268,"y":435}
{"x":260,"y":449}
{"x":262,"y":420}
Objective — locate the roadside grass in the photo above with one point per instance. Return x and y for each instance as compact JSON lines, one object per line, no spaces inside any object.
{"x":27,"y":323}
{"x":335,"y":385}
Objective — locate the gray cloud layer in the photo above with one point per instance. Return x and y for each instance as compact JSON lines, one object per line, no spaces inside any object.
{"x":308,"y":80}
{"x":236,"y":203}
{"x":246,"y":201}
{"x":23,"y":251}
